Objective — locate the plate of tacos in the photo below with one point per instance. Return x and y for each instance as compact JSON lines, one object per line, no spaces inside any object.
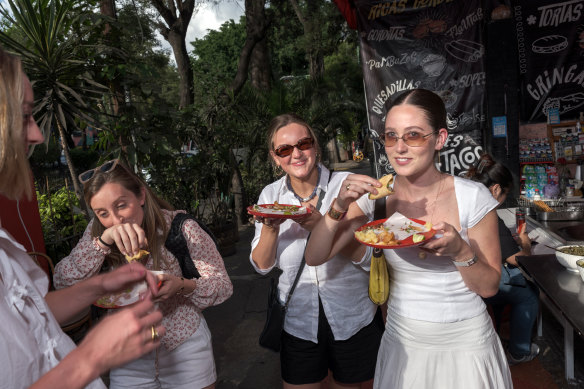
{"x":395,"y":232}
{"x":278,"y":211}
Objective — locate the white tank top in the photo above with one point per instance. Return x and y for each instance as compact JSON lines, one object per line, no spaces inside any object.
{"x":432,"y":289}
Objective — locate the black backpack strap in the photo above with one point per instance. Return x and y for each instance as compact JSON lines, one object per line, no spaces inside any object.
{"x":177,"y":244}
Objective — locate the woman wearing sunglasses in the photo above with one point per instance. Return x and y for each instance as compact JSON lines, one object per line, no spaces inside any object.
{"x":35,"y":351}
{"x":130,"y":217}
{"x":323,"y":330}
{"x":438,"y":333}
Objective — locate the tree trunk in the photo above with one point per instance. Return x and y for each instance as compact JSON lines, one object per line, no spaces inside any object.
{"x":108,"y":8}
{"x":311,"y":25}
{"x":74,"y":180}
{"x":260,"y":68}
{"x":239,"y":194}
{"x":183,"y":63}
{"x":177,"y":15}
{"x":255,"y":28}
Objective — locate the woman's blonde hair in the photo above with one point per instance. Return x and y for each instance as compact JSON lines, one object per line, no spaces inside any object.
{"x":154,"y":223}
{"x":14,"y":168}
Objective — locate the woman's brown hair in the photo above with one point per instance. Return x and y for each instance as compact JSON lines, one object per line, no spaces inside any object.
{"x":154,"y":223}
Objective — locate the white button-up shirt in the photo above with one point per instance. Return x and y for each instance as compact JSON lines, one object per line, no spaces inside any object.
{"x":341,"y":284}
{"x":31,"y":339}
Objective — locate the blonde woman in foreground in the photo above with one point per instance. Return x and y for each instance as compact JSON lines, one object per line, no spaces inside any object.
{"x":37,"y":354}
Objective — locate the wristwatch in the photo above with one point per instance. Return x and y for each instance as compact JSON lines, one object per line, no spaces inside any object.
{"x":467,"y":263}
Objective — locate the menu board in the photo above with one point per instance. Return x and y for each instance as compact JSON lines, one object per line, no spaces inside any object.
{"x":435,"y":45}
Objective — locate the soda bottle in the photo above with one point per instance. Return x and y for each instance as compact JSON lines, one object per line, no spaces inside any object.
{"x":519,"y":219}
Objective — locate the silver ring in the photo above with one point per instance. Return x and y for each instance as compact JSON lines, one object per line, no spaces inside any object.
{"x":347,"y":187}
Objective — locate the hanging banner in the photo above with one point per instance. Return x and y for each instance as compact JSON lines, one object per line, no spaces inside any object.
{"x":431,"y":44}
{"x":550,"y":40}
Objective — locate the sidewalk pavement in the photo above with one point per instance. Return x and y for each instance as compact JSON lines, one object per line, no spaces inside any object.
{"x":236,"y":325}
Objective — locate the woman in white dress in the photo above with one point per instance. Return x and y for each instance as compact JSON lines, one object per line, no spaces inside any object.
{"x":438,"y":333}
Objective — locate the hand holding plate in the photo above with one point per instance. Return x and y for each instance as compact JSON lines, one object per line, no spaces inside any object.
{"x":125,"y":276}
{"x":448,"y":243}
{"x":309,"y":220}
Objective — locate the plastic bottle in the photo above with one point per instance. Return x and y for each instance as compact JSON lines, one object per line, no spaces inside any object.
{"x":536,"y":195}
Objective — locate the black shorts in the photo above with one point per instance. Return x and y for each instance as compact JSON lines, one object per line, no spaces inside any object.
{"x":351,"y":361}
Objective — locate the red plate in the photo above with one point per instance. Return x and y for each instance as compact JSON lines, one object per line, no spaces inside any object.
{"x":407,"y":242}
{"x":268,"y":211}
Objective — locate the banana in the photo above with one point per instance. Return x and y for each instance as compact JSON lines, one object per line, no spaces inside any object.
{"x":378,"y":278}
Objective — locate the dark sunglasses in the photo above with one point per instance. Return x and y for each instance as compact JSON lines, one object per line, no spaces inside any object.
{"x":412,"y":138}
{"x":286,"y":150}
{"x":105,"y":168}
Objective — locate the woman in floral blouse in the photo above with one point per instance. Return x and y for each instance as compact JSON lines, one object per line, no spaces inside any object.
{"x":130,"y":217}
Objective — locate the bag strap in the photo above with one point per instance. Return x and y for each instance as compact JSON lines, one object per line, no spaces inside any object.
{"x":379,"y":213}
{"x":176,"y":243}
{"x":321,"y":195}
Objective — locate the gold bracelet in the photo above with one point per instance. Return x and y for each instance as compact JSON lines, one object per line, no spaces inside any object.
{"x":182,"y":288}
{"x":334,"y":214}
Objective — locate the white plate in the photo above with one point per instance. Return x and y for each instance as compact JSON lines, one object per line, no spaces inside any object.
{"x":124,"y":298}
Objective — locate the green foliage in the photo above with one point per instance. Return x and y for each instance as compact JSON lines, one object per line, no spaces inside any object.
{"x":215,"y":57}
{"x":84,"y":159}
{"x":41,"y":34}
{"x":59,"y":221}
{"x":46,"y":155}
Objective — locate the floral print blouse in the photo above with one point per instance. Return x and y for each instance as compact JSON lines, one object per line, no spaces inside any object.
{"x":182,"y":314}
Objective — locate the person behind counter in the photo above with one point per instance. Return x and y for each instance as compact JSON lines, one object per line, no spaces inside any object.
{"x":129,"y":217}
{"x":514,"y":289}
{"x":36,"y":353}
{"x":322,"y":328}
{"x":438,"y":333}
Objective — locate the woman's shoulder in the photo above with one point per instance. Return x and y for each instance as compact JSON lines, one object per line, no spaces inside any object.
{"x":465,"y":186}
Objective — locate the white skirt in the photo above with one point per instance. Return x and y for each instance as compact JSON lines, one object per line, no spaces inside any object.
{"x":461,"y":355}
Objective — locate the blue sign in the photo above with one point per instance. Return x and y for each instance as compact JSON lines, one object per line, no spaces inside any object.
{"x":553,"y":116}
{"x":500,"y":126}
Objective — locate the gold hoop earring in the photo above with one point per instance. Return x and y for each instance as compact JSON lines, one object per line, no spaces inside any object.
{"x":278,"y":171}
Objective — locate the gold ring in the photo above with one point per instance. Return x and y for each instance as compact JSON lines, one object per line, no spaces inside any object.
{"x":154,"y":333}
{"x":347,"y":187}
